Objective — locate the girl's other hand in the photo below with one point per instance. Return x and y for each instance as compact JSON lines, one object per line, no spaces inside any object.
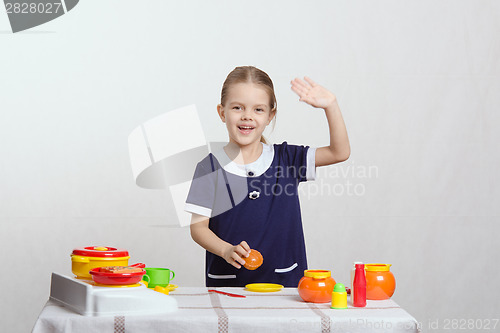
{"x":234,"y":254}
{"x":312,"y":93}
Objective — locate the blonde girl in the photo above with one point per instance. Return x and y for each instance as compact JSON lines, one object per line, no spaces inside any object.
{"x":246,"y":195}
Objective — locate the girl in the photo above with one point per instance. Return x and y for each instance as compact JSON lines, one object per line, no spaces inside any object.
{"x":246,"y":195}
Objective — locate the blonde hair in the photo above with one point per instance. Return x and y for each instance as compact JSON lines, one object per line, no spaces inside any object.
{"x":250,"y":74}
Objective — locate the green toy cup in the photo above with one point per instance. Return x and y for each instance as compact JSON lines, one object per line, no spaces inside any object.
{"x":158,"y":276}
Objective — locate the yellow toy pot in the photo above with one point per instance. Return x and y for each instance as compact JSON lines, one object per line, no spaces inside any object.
{"x":84,"y":259}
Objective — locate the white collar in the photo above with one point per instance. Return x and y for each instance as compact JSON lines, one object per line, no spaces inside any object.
{"x":253,"y":169}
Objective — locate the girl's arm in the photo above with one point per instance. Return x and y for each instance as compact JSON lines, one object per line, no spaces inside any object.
{"x":206,"y":238}
{"x":319,"y":97}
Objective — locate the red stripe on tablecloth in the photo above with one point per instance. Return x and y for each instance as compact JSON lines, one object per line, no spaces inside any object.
{"x":222,"y":320}
{"x":119,"y":324}
{"x":173,"y":293}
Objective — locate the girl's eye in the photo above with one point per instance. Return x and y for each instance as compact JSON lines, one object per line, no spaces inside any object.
{"x":259,"y":110}
{"x":236,"y":108}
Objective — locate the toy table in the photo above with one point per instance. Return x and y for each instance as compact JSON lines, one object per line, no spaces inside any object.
{"x":201,"y":311}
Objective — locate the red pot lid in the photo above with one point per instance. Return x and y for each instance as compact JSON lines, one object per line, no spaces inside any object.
{"x":100,"y":251}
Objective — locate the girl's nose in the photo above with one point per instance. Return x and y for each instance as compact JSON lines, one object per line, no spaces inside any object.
{"x":246,"y":115}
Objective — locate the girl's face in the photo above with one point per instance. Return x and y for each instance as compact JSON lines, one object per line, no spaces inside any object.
{"x":246,"y":113}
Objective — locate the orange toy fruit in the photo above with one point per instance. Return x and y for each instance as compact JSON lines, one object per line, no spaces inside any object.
{"x":254,"y":260}
{"x":380,"y":282}
{"x":316,"y":286}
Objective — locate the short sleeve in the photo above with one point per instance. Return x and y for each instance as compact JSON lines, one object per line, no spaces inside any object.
{"x":299,"y":160}
{"x":200,"y":199}
{"x":311,"y":164}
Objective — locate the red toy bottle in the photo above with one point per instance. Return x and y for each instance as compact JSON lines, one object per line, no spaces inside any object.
{"x":359,"y":293}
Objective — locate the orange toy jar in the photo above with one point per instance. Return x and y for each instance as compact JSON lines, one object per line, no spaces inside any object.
{"x":316,"y":286}
{"x":380,"y":282}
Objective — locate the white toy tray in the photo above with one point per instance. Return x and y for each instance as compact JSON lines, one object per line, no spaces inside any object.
{"x":87,"y":299}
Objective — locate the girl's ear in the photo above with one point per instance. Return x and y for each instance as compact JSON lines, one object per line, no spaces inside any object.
{"x":220,"y":111}
{"x":271,"y":116}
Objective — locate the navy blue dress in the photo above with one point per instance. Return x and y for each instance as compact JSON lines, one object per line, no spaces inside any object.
{"x":262,"y":210}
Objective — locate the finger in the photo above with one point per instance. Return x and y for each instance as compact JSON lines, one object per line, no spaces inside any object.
{"x":308,"y":100}
{"x":241,"y":251}
{"x":297,"y":84}
{"x":311,"y":82}
{"x":298,"y":91}
{"x":301,"y":83}
{"x":302,"y":89}
{"x":235,"y":264}
{"x":245,"y":246}
{"x":232,"y":259}
{"x":238,"y":259}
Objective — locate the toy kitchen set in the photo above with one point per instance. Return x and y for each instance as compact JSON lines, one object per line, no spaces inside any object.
{"x":105,"y":285}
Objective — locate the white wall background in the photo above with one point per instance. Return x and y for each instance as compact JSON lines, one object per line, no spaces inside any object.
{"x":418,"y":83}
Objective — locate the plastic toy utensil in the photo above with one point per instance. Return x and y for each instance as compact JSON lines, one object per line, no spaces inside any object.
{"x":224,"y":293}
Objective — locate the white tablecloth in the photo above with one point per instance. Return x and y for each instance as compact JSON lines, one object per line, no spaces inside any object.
{"x":201,"y":311}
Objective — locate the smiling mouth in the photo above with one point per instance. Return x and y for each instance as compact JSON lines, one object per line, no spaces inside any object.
{"x":246,"y":129}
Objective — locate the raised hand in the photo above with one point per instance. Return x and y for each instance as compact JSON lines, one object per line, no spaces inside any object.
{"x":312,"y":93}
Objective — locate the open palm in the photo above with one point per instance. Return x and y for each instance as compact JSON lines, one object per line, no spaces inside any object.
{"x":312,"y":93}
